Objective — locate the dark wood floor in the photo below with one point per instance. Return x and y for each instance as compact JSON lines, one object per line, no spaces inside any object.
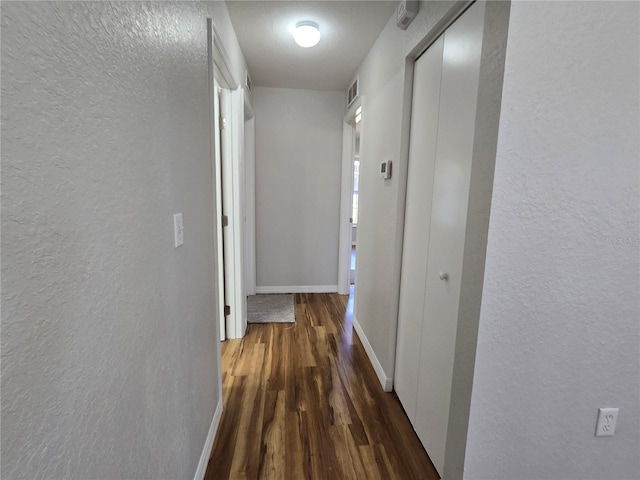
{"x":302,"y":401}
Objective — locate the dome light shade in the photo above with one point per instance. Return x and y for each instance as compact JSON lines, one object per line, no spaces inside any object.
{"x":306,"y":34}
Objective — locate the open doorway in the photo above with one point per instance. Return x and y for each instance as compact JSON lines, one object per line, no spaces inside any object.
{"x":230,"y":107}
{"x":354,"y":196}
{"x":352,"y":130}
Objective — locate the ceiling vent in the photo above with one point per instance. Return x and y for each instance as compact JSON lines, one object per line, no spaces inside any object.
{"x":352,"y":93}
{"x":247,"y":82}
{"x":406,"y":12}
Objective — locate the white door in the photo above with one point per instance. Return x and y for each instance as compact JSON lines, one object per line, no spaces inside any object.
{"x":233,"y":176}
{"x":226,"y":146}
{"x":443,"y":203}
{"x":218,"y":218}
{"x":228,"y":140}
{"x":422,"y":157}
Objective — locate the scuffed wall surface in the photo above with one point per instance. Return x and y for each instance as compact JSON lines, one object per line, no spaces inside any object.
{"x":109,"y":342}
{"x":560,"y":314}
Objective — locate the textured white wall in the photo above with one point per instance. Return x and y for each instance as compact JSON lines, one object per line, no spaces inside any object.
{"x":379,"y":228}
{"x":298,"y":164}
{"x":384,"y":79}
{"x":561,"y":306}
{"x":109,"y":345}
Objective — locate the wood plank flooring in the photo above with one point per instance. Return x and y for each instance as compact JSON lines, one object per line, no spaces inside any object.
{"x":302,"y":401}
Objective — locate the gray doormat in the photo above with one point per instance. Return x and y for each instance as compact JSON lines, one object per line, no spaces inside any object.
{"x":277,"y":308}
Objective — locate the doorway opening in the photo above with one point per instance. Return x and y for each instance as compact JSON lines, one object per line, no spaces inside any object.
{"x":354,"y":195}
{"x":352,"y":131}
{"x":231,"y":141}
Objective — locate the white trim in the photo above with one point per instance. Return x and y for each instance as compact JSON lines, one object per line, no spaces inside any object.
{"x":344,"y":256}
{"x":250,"y":204}
{"x":208,"y":444}
{"x":237,"y":217}
{"x":386,"y":382}
{"x":298,"y":289}
{"x":232,"y":106}
{"x":221,"y":60}
{"x":229,"y":207}
{"x":216,"y":179}
{"x":346,"y":195}
{"x":233,"y":193}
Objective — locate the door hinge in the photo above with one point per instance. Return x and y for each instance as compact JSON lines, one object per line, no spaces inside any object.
{"x":227,"y":310}
{"x":350,"y":219}
{"x":223,"y":123}
{"x":225,"y":220}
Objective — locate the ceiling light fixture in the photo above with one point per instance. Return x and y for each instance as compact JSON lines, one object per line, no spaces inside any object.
{"x":306,"y":34}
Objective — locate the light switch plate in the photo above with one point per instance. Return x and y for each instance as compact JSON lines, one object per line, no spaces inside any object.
{"x":178,"y":230}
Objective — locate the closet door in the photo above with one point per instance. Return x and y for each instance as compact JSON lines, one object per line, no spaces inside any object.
{"x":442,"y":133}
{"x":454,"y":151}
{"x":422,"y":156}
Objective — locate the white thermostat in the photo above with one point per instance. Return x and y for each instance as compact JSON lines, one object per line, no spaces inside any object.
{"x":385,"y":169}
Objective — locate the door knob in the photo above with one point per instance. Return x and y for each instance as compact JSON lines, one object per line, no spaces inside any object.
{"x":444,"y":276}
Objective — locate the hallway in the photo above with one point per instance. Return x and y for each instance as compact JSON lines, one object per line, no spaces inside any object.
{"x":302,"y":401}
{"x":112,"y":240}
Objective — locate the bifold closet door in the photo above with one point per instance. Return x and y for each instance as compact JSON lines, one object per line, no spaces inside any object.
{"x":444,"y":216}
{"x":422,"y":157}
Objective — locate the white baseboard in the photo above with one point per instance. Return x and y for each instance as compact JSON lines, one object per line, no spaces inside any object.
{"x":386,"y":382}
{"x":298,"y":289}
{"x":208,"y":444}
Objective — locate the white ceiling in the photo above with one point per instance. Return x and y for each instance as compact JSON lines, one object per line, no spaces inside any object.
{"x":349,"y":28}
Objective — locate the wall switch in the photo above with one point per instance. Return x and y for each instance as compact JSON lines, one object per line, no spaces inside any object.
{"x":606,"y":422}
{"x":178,"y":230}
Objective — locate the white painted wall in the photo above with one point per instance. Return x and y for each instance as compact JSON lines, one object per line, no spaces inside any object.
{"x":298,"y":163}
{"x":381,"y":202}
{"x":110,"y":359}
{"x":559,"y":325}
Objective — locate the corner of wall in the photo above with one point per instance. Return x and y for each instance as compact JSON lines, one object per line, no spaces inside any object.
{"x":496,"y":27}
{"x":208,"y":444}
{"x":385,"y":381}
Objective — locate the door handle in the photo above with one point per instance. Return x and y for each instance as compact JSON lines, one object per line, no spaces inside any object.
{"x":444,"y":276}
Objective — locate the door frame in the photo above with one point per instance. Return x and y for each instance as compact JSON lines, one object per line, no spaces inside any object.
{"x":216,"y":66}
{"x":346,"y":192}
{"x":401,"y":168}
{"x":492,"y":68}
{"x":250,"y":194}
{"x":228,"y":173}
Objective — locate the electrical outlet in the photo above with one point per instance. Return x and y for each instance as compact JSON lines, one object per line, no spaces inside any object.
{"x":178,"y":230}
{"x":606,"y":422}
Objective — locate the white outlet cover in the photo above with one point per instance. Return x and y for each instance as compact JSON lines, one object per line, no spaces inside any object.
{"x":178,"y":230}
{"x":606,"y":422}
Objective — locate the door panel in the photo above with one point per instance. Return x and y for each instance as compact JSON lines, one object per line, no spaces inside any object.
{"x":446,"y":81}
{"x":219,"y":228}
{"x":422,"y":156}
{"x":227,"y":210}
{"x":456,"y":126}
